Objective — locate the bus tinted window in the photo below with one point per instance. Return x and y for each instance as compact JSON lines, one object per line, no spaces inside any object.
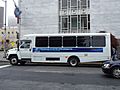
{"x":41,"y":42}
{"x":69,"y":41}
{"x":98,"y":41}
{"x":55,"y":41}
{"x":83,"y":41}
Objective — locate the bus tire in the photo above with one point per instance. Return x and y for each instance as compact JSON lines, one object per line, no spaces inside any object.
{"x":73,"y":61}
{"x":14,"y":60}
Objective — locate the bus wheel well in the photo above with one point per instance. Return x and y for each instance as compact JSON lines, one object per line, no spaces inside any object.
{"x":12,"y":56}
{"x":73,"y":57}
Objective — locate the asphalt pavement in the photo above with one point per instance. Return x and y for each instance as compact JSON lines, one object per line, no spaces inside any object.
{"x":53,"y":77}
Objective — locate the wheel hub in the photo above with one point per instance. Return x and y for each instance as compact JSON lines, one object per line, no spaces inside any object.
{"x":73,"y":62}
{"x":14,"y":61}
{"x":116,"y":73}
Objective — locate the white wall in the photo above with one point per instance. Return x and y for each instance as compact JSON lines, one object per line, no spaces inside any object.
{"x":39,"y":16}
{"x":105,"y":16}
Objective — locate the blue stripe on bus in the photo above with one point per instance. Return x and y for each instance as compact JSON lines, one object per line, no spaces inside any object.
{"x":67,"y":50}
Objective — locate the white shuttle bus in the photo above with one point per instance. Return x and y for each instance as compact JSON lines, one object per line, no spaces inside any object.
{"x":72,"y":48}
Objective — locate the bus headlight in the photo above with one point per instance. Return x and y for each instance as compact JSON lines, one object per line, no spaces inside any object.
{"x":7,"y":53}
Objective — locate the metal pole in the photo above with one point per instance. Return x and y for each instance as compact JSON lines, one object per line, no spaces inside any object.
{"x":19,"y":25}
{"x":5,"y":28}
{"x":19,"y":29}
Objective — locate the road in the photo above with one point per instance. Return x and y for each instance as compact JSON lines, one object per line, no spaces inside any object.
{"x":55,"y":77}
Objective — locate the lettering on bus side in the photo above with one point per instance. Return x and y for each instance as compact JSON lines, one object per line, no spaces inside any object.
{"x":67,"y":50}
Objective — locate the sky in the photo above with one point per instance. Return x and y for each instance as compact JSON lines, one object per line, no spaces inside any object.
{"x":10,"y":6}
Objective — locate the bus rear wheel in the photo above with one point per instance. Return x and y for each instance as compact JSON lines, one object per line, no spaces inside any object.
{"x":73,"y":61}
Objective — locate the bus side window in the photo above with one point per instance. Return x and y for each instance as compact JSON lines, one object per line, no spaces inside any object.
{"x":69,"y":41}
{"x":98,"y":41}
{"x":83,"y":41}
{"x":55,"y":41}
{"x":41,"y":41}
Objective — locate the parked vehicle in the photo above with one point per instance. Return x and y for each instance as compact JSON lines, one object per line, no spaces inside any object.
{"x":112,"y":68}
{"x":69,"y":48}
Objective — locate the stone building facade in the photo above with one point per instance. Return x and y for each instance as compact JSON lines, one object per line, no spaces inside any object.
{"x":70,"y":16}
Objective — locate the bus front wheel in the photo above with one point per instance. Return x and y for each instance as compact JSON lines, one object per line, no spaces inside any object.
{"x":14,"y":60}
{"x":73,"y":61}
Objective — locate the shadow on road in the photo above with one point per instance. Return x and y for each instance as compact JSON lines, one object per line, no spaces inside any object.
{"x":107,"y":76}
{"x":61,"y":65}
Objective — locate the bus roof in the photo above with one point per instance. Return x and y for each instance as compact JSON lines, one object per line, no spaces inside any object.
{"x":66,"y":34}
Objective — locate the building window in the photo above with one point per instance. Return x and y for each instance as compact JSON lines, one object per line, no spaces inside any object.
{"x":73,"y":4}
{"x":64,"y":4}
{"x":64,"y":23}
{"x":88,"y":3}
{"x":83,"y":3}
{"x":88,"y":21}
{"x":70,"y":21}
{"x":74,"y":22}
{"x":84,"y":22}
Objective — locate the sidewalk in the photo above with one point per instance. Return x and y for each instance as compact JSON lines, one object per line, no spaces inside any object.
{"x":1,"y":57}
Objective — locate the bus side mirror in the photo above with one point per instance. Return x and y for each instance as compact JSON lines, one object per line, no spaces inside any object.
{"x":18,"y":46}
